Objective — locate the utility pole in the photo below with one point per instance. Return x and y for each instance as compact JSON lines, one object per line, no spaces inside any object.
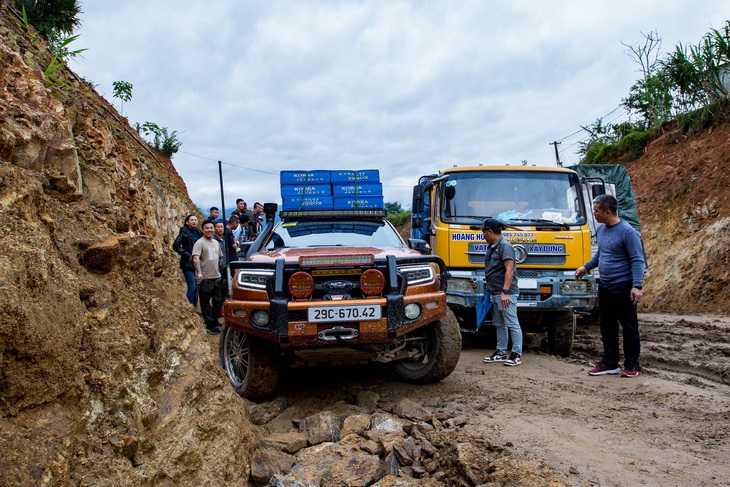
{"x":557,"y":155}
{"x":223,"y":200}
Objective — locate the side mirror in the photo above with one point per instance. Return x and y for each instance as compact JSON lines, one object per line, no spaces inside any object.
{"x":270,"y":211}
{"x":450,"y":192}
{"x":242,"y":249}
{"x":597,"y":190}
{"x":420,"y":245}
{"x":417,"y":202}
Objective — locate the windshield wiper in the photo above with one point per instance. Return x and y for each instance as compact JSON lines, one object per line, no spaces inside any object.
{"x":540,"y":221}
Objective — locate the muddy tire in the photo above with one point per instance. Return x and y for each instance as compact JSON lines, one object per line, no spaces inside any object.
{"x":561,"y":333}
{"x":250,"y":363}
{"x":442,"y":343}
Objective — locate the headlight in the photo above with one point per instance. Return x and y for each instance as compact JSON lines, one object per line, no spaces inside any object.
{"x":260,"y":317}
{"x":574,"y":287}
{"x":461,"y":285}
{"x":254,"y":279}
{"x":412,"y":311}
{"x":417,"y":274}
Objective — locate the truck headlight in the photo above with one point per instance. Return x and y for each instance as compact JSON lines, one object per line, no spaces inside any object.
{"x":574,"y":287}
{"x":461,"y":286}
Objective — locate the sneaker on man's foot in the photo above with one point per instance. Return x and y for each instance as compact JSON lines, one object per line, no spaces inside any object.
{"x":213,"y":330}
{"x":630,"y":371}
{"x":514,"y":359}
{"x":496,"y":357}
{"x":603,"y":369}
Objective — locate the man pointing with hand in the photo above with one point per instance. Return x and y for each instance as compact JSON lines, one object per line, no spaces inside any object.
{"x":620,"y":262}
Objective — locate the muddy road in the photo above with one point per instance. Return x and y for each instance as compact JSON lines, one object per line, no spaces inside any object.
{"x":669,"y":426}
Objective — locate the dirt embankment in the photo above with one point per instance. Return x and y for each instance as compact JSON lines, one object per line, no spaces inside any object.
{"x":104,"y":376}
{"x":683,"y":190}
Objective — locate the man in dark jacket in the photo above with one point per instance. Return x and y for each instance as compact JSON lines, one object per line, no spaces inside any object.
{"x":183,"y":245}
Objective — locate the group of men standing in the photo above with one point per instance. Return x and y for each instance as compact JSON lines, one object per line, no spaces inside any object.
{"x":620,"y":260}
{"x":205,"y":255}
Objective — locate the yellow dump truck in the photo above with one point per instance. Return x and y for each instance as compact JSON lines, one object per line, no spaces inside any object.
{"x":547,"y":222}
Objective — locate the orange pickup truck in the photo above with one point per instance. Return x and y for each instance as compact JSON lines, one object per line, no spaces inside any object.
{"x":335,"y":286}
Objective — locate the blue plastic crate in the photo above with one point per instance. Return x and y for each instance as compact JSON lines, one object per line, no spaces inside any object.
{"x":365,"y":189}
{"x":359,"y":203}
{"x":290,"y":203}
{"x":306,"y":189}
{"x":304,"y":177}
{"x":362,"y":176}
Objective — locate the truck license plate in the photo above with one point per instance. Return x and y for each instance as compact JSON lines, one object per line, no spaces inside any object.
{"x":363,"y":312}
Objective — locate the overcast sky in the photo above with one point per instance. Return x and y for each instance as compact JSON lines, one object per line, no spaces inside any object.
{"x":406,"y":87}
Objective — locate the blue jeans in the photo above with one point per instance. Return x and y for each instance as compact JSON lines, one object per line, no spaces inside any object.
{"x":505,"y":320}
{"x":192,"y":287}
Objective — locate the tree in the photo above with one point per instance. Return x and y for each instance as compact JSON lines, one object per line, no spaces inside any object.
{"x":123,"y":91}
{"x":651,"y":96}
{"x":51,"y":18}
{"x":698,"y":71}
{"x":645,"y":55}
{"x":396,"y":214}
{"x":162,"y":140}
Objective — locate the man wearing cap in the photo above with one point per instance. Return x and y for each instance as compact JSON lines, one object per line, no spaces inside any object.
{"x":620,"y":262}
{"x":500,"y":280}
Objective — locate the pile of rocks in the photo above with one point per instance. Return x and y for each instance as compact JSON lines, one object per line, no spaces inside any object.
{"x":361,"y":444}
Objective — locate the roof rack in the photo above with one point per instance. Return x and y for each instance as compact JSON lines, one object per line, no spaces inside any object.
{"x":319,"y":214}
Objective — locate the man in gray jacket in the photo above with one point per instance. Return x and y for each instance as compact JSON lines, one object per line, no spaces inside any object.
{"x":500,"y":280}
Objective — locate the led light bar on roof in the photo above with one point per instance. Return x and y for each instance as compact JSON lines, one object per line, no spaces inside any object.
{"x":336,"y":260}
{"x":294,"y":214}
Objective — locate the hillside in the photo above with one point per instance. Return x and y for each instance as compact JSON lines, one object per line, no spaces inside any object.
{"x":683,"y":188}
{"x":105,"y":370}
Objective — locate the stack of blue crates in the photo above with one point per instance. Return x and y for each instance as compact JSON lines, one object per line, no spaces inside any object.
{"x":328,"y":190}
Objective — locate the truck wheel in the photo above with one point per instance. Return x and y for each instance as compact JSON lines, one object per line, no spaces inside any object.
{"x":249,"y":362}
{"x":441,"y":342}
{"x":561,"y":332}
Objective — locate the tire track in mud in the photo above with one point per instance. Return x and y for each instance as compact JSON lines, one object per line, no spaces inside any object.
{"x":697,"y":346}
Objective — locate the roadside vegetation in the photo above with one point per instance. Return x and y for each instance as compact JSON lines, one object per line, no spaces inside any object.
{"x":683,"y":92}
{"x":54,"y":22}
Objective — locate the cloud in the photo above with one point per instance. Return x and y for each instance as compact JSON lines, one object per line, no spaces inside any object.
{"x":402,"y":86}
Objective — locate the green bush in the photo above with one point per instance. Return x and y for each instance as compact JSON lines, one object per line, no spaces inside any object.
{"x":396,"y":214}
{"x":702,"y":118}
{"x":162,"y":140}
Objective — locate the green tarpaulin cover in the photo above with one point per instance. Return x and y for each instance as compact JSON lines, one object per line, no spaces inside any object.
{"x":617,"y":175}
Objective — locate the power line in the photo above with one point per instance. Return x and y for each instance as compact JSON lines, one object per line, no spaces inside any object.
{"x":265,"y":172}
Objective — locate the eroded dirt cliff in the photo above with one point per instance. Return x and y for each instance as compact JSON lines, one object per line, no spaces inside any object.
{"x":106,"y":378}
{"x":682,"y":184}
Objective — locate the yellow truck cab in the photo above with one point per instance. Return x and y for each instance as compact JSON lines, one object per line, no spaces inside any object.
{"x":546,"y":219}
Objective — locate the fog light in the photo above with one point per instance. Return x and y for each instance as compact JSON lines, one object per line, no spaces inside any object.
{"x":260,"y":317}
{"x":372,"y":282}
{"x":301,"y":285}
{"x":412,"y":311}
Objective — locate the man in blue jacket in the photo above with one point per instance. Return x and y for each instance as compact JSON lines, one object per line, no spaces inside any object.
{"x":620,"y":262}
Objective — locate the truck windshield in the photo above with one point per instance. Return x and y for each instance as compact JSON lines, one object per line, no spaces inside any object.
{"x":328,"y":233}
{"x":513,"y":197}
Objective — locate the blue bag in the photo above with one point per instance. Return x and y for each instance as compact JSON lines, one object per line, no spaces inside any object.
{"x":483,"y":306}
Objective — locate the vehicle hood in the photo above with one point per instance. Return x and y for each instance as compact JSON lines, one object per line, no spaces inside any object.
{"x":293,"y":254}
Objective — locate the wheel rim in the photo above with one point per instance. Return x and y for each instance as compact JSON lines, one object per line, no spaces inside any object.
{"x":237,"y":355}
{"x":427,"y":336}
